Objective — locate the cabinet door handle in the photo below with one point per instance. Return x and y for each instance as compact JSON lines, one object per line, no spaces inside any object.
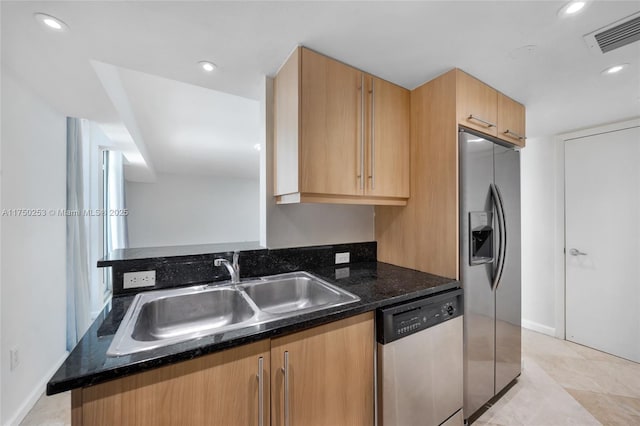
{"x":360,"y":176}
{"x":285,"y":370}
{"x":485,"y":122}
{"x":514,"y":135}
{"x":260,"y":392}
{"x":372,"y":176}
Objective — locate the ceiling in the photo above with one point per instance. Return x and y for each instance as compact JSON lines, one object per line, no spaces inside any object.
{"x":181,"y":128}
{"x":189,"y":125}
{"x":155,"y":47}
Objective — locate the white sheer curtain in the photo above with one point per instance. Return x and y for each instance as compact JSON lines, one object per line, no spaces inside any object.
{"x":86,"y":229}
{"x":78,"y":244}
{"x":116,"y":231}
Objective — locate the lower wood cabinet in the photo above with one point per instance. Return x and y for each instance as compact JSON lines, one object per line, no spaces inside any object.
{"x":328,"y":380}
{"x":324,"y":375}
{"x":218,"y":389}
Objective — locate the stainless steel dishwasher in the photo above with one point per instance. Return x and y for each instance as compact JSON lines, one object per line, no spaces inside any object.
{"x":420,"y":361}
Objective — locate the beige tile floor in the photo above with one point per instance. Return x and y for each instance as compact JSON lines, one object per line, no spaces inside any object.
{"x":561,"y":384}
{"x":50,"y":411}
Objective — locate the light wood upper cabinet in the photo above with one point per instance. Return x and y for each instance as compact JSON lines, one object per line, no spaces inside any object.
{"x":324,"y":376}
{"x":388,"y":139}
{"x":511,"y":120}
{"x":481,"y":107}
{"x":424,"y":235}
{"x":330,"y":126}
{"x":218,"y":389}
{"x":341,"y":136}
{"x":477,"y":104}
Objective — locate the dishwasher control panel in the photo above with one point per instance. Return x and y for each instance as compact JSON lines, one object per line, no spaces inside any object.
{"x":410,"y":317}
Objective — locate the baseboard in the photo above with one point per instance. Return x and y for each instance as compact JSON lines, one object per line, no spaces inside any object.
{"x":540,"y":328}
{"x":33,"y":397}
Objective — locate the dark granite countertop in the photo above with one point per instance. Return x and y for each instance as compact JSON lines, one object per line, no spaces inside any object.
{"x":377,"y":284}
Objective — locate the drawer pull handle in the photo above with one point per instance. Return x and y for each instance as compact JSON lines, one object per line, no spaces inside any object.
{"x":260,"y":392}
{"x":361,"y":133}
{"x":485,"y":122}
{"x":285,"y":370}
{"x":514,"y":135}
{"x":372,"y":176}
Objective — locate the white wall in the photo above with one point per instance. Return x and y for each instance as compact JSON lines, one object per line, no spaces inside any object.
{"x":33,"y":300}
{"x":296,"y":225}
{"x":1,"y":346}
{"x":181,"y":210}
{"x":539,"y":180}
{"x":542,"y":184}
{"x":317,"y":224}
{"x":542,"y":188}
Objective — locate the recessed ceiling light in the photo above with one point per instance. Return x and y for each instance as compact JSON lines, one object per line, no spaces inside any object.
{"x":614,"y":69}
{"x":207,"y":66}
{"x":257,"y":147}
{"x":572,"y":8}
{"x":51,"y":22}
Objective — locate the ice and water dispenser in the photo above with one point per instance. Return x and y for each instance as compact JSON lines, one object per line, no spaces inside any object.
{"x":481,"y":235}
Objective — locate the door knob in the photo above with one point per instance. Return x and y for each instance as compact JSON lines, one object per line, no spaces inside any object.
{"x":576,"y":252}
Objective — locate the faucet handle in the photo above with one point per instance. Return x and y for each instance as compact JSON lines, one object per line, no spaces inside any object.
{"x":219,"y":261}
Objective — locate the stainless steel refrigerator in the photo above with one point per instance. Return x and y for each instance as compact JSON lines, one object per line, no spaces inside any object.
{"x":490,"y":266}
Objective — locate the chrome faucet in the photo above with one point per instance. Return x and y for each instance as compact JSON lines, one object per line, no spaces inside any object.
{"x":234,"y":269}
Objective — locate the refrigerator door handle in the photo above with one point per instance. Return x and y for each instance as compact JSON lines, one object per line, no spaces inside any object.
{"x":504,"y":236}
{"x":502,"y":241}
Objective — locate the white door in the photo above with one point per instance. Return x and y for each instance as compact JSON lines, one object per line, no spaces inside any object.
{"x":602,"y":193}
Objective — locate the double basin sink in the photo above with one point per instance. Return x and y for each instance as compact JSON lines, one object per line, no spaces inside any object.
{"x":165,"y":317}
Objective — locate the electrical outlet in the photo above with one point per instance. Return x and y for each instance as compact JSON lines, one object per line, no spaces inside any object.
{"x":342,"y":257}
{"x":14,"y":358}
{"x":139,"y":279}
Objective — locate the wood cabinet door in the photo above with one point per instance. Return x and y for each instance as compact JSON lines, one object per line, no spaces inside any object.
{"x":477,"y":104}
{"x":328,"y":377}
{"x":511,"y":120}
{"x":331,"y":142}
{"x":218,"y":389}
{"x":387,"y":139}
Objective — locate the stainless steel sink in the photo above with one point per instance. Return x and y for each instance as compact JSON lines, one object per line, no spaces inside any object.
{"x":190,"y":313}
{"x":295,"y":293}
{"x":165,"y":317}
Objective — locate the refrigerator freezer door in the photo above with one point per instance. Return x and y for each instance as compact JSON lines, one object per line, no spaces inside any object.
{"x":508,"y":289}
{"x":476,"y":176}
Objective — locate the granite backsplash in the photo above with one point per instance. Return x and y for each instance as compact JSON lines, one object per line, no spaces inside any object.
{"x":179,"y":267}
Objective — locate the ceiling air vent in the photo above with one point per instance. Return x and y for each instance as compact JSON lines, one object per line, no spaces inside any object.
{"x":616,"y":35}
